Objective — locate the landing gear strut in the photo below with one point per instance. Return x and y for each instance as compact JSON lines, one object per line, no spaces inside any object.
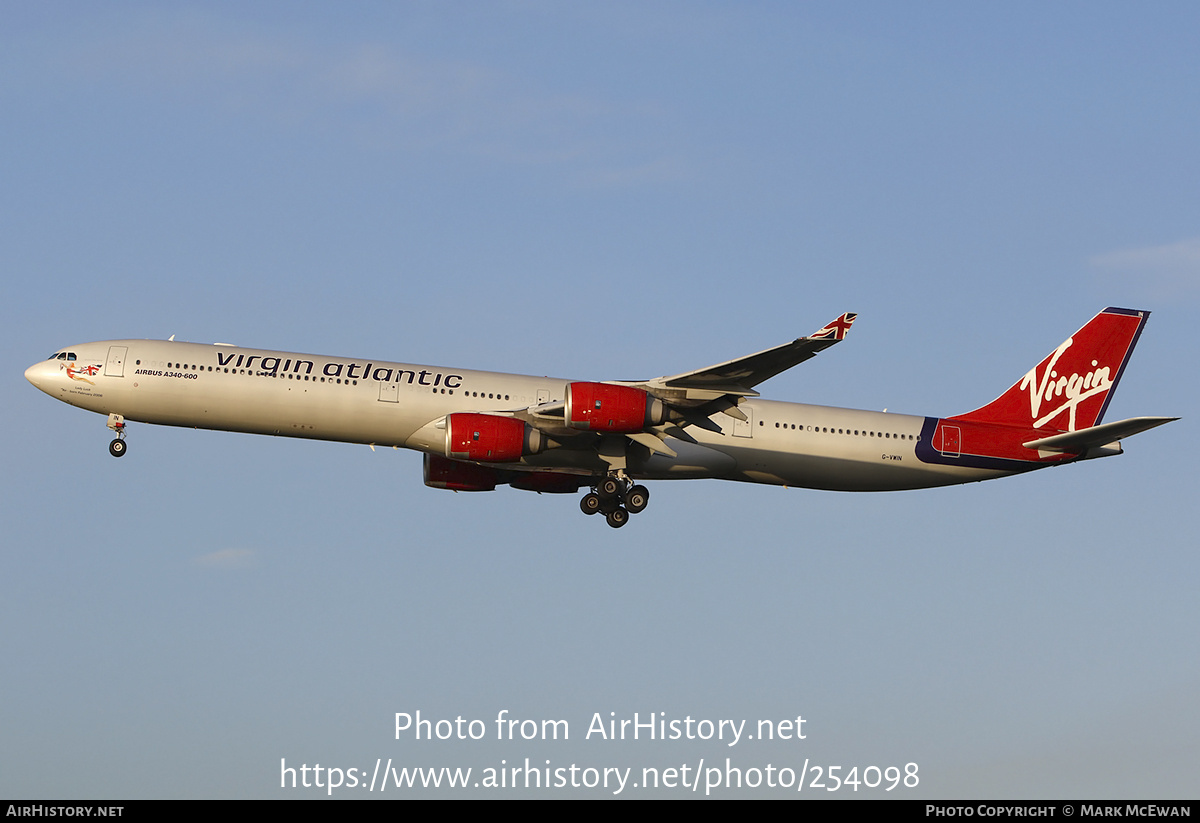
{"x":117,"y":447}
{"x":615,"y":497}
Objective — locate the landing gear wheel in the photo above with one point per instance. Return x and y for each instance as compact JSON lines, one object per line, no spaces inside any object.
{"x":117,"y":448}
{"x":609,"y":487}
{"x":608,"y":505}
{"x":590,"y":504}
{"x":617,"y":518}
{"x":636,"y":499}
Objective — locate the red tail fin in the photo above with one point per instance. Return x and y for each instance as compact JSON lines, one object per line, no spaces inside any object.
{"x":1070,"y":389}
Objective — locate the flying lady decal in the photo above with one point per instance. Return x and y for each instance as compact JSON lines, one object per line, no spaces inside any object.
{"x":76,"y":374}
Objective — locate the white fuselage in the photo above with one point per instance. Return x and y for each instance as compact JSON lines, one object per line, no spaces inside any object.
{"x":360,"y":400}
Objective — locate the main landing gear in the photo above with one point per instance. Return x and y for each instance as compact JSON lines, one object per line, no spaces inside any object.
{"x":616,"y":499}
{"x":117,"y":447}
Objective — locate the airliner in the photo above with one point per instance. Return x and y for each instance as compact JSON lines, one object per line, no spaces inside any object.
{"x":479,"y":430}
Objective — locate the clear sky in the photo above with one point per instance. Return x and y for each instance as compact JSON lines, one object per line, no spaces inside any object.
{"x":601,"y":191}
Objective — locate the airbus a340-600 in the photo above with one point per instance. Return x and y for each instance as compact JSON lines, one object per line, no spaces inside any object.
{"x":479,"y":430}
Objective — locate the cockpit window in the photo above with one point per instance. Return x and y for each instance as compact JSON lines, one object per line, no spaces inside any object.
{"x":72,"y":356}
{"x":55,"y":356}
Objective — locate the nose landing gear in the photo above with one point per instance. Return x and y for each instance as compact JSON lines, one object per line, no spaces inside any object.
{"x":118,"y":446}
{"x":615,"y":497}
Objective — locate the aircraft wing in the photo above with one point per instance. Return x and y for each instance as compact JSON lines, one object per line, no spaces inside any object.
{"x":740,"y":376}
{"x":688,"y":399}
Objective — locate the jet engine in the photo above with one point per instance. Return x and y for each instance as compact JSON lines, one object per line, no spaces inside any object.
{"x":442,"y":473}
{"x":603,"y":407}
{"x":490,"y":438}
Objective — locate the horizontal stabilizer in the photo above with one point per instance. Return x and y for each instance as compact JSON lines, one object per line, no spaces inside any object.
{"x":1097,"y":436}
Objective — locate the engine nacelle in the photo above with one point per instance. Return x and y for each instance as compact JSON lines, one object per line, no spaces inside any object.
{"x":443,"y":473}
{"x":490,"y":438}
{"x":603,"y":407}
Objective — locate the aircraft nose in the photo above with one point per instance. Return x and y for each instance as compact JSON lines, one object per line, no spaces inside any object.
{"x":39,"y":374}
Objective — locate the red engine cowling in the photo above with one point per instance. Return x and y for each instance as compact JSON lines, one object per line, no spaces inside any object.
{"x":442,"y":473}
{"x":490,"y":438}
{"x":602,"y":407}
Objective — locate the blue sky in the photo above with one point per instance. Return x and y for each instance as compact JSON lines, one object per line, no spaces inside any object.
{"x":605,"y":191}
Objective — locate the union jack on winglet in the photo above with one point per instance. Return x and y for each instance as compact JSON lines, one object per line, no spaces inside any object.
{"x":837,"y":329}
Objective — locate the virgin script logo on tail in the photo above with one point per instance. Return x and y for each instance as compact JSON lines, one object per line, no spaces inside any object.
{"x":1074,"y":388}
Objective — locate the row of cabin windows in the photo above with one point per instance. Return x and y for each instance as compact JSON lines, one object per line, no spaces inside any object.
{"x":288,"y":375}
{"x":292,"y":376}
{"x":855,"y":432}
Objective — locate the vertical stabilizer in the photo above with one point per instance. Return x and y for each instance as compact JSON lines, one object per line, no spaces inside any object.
{"x":1070,"y":389}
